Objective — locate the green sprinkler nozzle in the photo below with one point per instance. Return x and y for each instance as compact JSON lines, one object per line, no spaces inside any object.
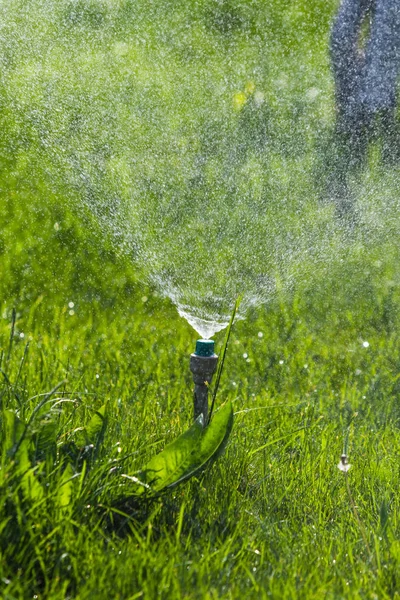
{"x":204,"y":348}
{"x":203,"y":364}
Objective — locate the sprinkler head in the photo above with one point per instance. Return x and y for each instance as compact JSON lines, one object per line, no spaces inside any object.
{"x":204,"y":348}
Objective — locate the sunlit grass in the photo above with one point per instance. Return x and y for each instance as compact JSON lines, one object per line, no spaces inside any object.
{"x":273,"y":516}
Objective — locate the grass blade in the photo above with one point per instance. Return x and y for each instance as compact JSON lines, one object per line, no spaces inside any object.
{"x":222,"y":359}
{"x":13,"y":319}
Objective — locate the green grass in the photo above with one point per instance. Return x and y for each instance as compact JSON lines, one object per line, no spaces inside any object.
{"x":271,"y":518}
{"x":312,"y":373}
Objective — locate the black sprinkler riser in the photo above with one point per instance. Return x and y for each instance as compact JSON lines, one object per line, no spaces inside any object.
{"x":203,"y":369}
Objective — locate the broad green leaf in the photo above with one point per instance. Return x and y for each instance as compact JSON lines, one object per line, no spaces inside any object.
{"x":167,"y":466}
{"x":12,"y":431}
{"x":16,"y":444}
{"x":65,"y":488}
{"x":30,"y":484}
{"x":212,"y":444}
{"x":45,"y":438}
{"x":96,"y":426}
{"x":187,"y":455}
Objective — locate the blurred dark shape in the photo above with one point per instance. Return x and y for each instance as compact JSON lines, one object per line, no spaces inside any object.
{"x":365,"y":53}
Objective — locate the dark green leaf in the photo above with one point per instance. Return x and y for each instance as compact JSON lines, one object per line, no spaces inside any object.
{"x":12,"y":431}
{"x":17,"y":444}
{"x":166,"y":467}
{"x":96,"y":426}
{"x":65,"y":488}
{"x":45,"y":438}
{"x":212,"y":443}
{"x":187,"y":455}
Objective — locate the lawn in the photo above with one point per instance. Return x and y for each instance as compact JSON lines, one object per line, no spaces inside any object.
{"x":138,"y":139}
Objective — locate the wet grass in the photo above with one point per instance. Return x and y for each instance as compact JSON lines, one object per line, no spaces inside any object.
{"x":273,"y":517}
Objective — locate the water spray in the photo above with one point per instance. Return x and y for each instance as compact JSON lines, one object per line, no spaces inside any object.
{"x":203,"y":363}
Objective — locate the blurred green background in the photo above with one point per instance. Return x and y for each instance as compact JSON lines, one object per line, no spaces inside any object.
{"x":128,"y":126}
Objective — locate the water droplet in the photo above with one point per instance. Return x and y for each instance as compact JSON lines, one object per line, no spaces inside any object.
{"x":312,"y":93}
{"x":259,"y":99}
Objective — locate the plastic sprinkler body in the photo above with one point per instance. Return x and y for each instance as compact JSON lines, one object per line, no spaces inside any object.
{"x":203,"y":364}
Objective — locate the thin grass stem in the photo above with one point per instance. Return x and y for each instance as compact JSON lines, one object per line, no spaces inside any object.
{"x":357,"y":517}
{"x":13,"y":319}
{"x":222,"y":360}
